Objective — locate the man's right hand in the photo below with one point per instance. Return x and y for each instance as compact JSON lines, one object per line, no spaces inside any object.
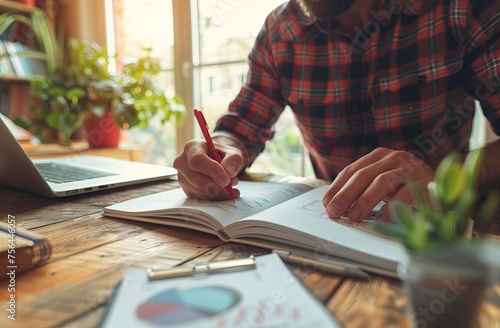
{"x":201,"y":177}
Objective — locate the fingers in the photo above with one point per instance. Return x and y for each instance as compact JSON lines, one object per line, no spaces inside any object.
{"x":359,"y":202}
{"x":204,"y":178}
{"x":365,"y":182}
{"x":348,"y":172}
{"x":380,"y":175}
{"x":209,"y":191}
{"x":403,"y":195}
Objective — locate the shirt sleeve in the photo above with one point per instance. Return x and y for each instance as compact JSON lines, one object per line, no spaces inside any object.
{"x":259,"y":104}
{"x":483,"y":69}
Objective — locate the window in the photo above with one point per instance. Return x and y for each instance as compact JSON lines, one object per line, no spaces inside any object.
{"x":137,"y":24}
{"x":212,"y":56}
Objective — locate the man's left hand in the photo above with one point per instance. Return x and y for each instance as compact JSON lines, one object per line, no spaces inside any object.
{"x":379,"y":175}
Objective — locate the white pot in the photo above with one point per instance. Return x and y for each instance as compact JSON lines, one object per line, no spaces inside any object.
{"x":445,"y":287}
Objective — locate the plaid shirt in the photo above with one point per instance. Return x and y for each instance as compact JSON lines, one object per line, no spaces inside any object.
{"x":407,"y":81}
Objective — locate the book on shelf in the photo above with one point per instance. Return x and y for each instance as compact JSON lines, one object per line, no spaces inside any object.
{"x":20,"y":61}
{"x":6,"y":69}
{"x":13,"y":56}
{"x":32,"y":65}
{"x":19,"y":102}
{"x":287,"y":216}
{"x":4,"y":102}
{"x":20,"y":249}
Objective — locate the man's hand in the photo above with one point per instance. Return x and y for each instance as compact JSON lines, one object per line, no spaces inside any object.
{"x":202,"y":177}
{"x":380,"y":175}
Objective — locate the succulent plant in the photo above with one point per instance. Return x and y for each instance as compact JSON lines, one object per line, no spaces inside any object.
{"x":440,"y":217}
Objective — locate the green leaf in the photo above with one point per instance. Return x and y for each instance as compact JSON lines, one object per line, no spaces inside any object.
{"x":419,"y":239}
{"x":9,"y":18}
{"x":45,"y":39}
{"x":401,"y":212}
{"x":462,"y":208}
{"x":388,"y":229}
{"x":472,"y":165}
{"x":75,"y":93}
{"x":446,"y":232}
{"x":55,"y":91}
{"x":423,"y":204}
{"x":52,"y":120}
{"x":440,"y":176}
{"x":450,"y":180}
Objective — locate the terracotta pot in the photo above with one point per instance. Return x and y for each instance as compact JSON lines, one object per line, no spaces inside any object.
{"x":445,"y":288}
{"x":102,"y":132}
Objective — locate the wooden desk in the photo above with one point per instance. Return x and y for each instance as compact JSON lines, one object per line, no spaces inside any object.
{"x":91,"y":252}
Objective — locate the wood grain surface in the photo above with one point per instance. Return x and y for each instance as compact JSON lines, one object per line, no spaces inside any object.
{"x":91,"y":252}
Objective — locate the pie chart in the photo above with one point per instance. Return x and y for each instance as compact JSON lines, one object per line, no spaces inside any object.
{"x":178,"y":306}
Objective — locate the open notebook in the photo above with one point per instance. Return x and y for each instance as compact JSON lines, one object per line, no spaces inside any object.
{"x":284,"y":216}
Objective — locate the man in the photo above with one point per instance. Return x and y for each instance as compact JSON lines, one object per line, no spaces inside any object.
{"x":382,"y":90}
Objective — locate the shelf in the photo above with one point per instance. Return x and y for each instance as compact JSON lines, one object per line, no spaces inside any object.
{"x":18,"y":87}
{"x":15,"y":7}
{"x":14,"y":80}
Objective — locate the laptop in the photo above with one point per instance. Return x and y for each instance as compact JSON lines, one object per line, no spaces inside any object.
{"x":72,"y":175}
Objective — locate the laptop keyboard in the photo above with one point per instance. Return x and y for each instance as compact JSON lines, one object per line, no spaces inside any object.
{"x":60,"y":173}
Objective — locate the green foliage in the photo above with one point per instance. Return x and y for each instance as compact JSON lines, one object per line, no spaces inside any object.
{"x":59,"y":107}
{"x":84,"y":86}
{"x":441,"y":217}
{"x":147,"y":99}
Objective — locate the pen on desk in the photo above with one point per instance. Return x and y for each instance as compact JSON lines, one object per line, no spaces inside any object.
{"x":202,"y":268}
{"x":214,"y":154}
{"x":324,"y":265}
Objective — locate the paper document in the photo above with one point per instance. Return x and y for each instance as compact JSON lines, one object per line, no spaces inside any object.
{"x":268,"y":296}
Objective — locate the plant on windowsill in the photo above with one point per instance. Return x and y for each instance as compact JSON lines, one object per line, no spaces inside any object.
{"x":84,"y":91}
{"x":79,"y":86}
{"x":441,"y":257}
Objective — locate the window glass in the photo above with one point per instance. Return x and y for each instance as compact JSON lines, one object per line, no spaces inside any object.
{"x":224,"y":36}
{"x":227,"y":31}
{"x":141,"y":24}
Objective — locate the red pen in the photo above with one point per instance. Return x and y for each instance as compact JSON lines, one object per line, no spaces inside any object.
{"x":214,"y":154}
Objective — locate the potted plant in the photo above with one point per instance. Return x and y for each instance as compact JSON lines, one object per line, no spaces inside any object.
{"x":447,"y":273}
{"x":78,"y":88}
{"x":84,"y":92}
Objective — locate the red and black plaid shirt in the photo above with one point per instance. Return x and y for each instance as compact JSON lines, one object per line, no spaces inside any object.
{"x":408,"y":81}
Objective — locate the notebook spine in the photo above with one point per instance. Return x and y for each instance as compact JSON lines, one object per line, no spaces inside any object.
{"x":20,"y":249}
{"x":42,"y":250}
{"x":223,"y":235}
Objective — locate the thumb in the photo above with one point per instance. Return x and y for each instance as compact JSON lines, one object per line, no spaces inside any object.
{"x":233,"y":163}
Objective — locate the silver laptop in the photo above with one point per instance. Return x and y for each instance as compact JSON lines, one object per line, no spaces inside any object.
{"x":68,"y":176}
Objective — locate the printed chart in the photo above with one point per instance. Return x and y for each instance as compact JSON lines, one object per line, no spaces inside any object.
{"x":176,"y":306}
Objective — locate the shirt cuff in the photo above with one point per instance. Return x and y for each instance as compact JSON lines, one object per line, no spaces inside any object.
{"x":235,"y":142}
